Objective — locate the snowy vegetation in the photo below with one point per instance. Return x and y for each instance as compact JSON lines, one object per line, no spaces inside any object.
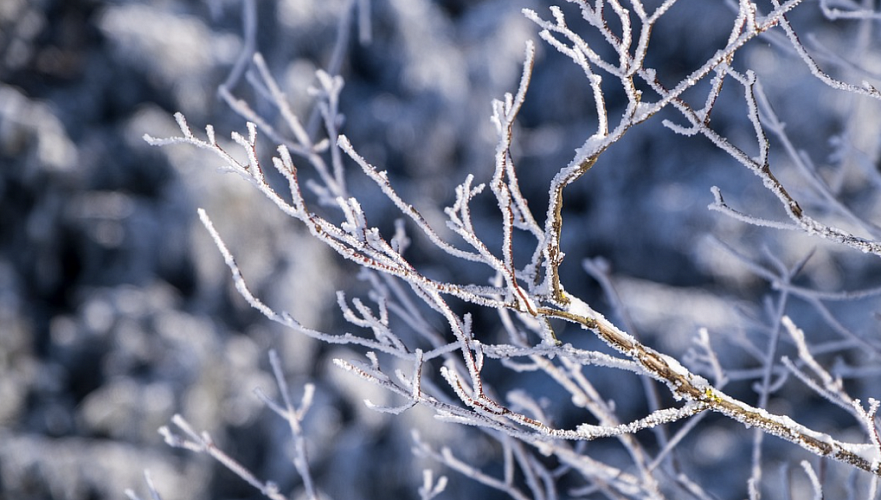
{"x":736,"y":354}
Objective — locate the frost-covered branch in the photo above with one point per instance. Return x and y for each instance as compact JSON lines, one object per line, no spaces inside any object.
{"x":203,"y":443}
{"x":294,"y":417}
{"x":418,"y":319}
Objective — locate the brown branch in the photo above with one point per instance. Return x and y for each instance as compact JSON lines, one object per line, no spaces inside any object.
{"x":690,"y":387}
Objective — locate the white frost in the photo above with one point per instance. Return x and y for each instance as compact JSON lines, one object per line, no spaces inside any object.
{"x":868,"y":452}
{"x":578,"y":307}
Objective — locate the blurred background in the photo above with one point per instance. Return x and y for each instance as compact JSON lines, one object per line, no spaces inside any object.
{"x":116,"y":310}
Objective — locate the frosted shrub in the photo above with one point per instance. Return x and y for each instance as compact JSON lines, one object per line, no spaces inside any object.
{"x":514,"y":257}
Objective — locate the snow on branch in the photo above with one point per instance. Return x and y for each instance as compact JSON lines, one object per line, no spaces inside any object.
{"x":203,"y":443}
{"x":419,"y":320}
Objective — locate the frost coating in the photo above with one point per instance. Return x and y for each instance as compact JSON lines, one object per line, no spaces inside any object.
{"x":522,"y":285}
